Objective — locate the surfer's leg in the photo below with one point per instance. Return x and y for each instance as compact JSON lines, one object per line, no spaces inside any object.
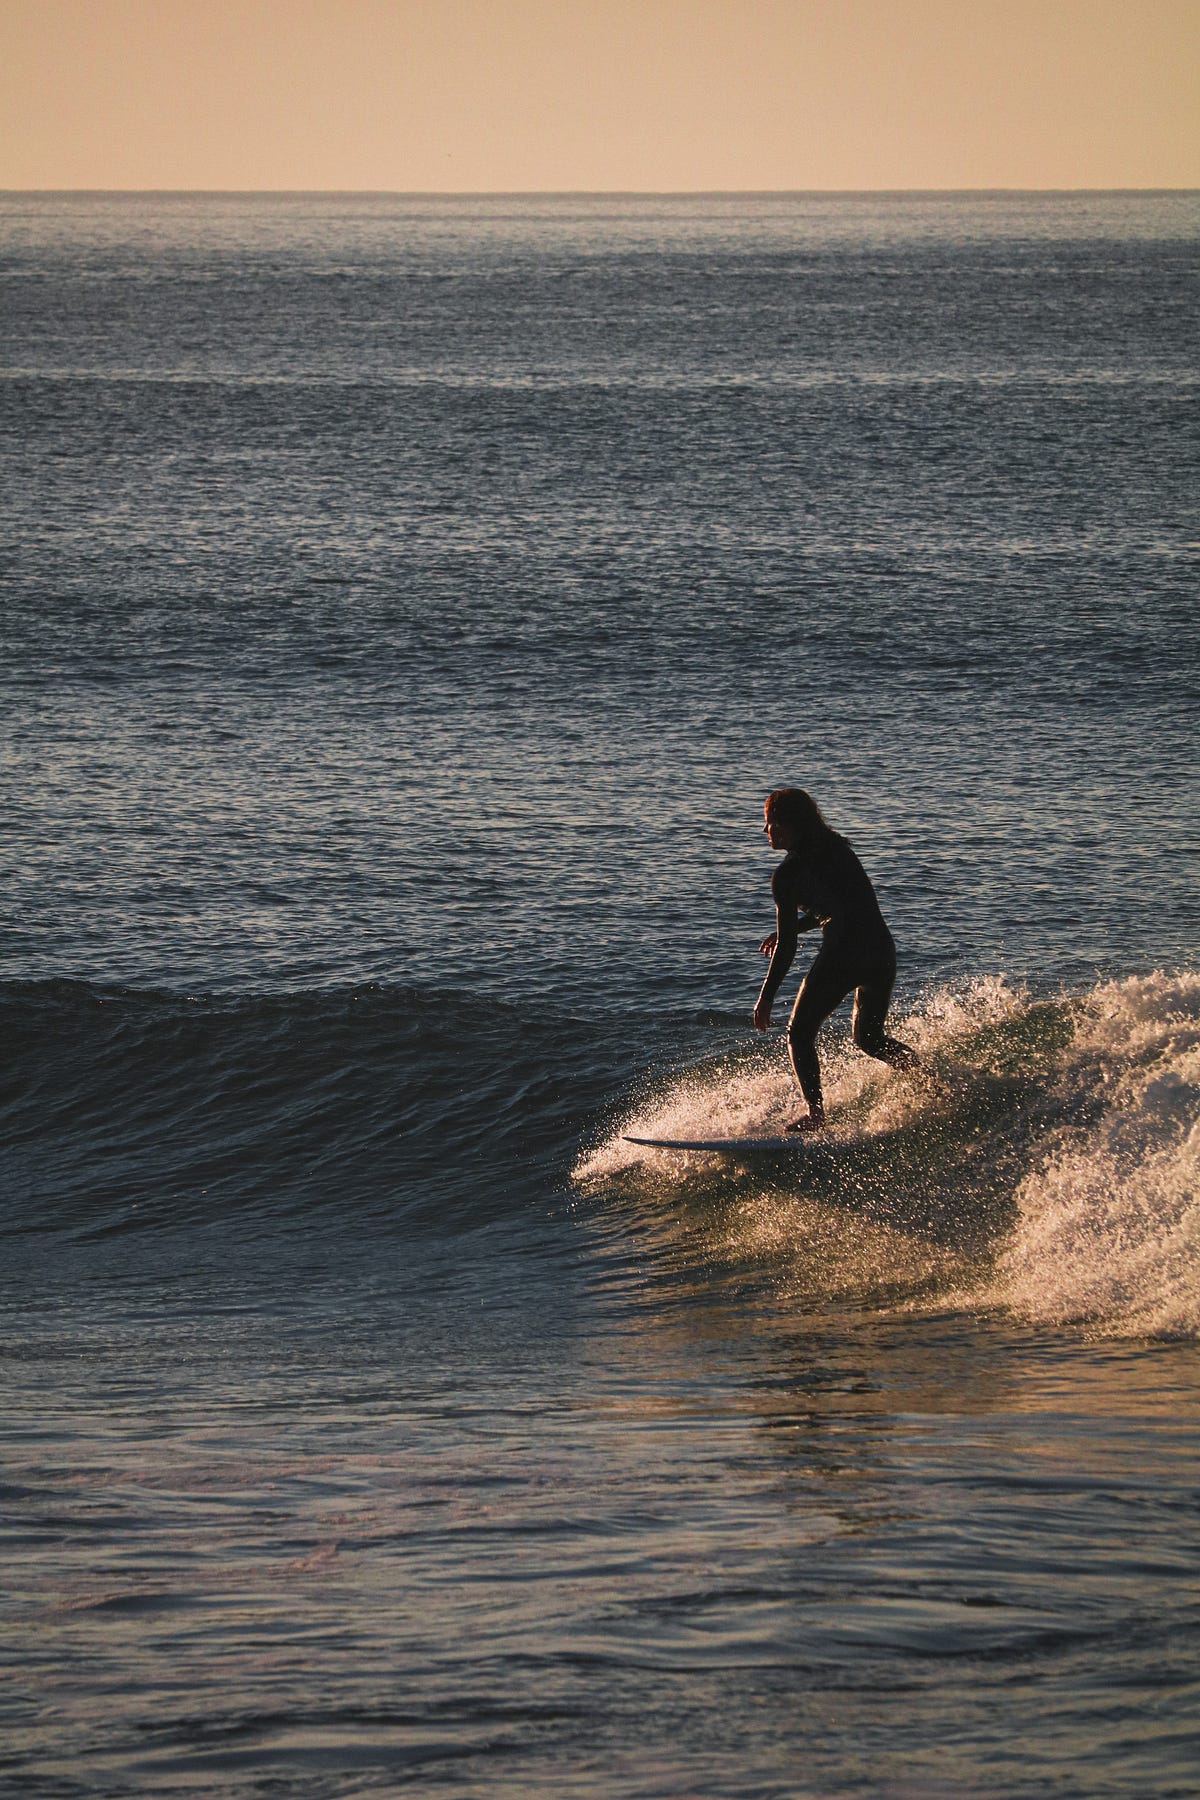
{"x":823,"y":988}
{"x":871,"y":1001}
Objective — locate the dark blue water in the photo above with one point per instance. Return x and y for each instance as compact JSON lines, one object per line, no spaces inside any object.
{"x":404,"y":606}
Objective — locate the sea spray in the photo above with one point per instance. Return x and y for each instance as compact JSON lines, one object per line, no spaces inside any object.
{"x":1108,"y":1228}
{"x":752,"y":1093}
{"x":1042,"y":1159}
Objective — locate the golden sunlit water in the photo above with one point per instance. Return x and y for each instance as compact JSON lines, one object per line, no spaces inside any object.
{"x":405,"y":606}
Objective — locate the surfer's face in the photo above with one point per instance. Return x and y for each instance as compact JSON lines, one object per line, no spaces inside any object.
{"x":780,"y":835}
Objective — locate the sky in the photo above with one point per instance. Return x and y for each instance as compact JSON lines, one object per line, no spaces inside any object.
{"x":599,"y":95}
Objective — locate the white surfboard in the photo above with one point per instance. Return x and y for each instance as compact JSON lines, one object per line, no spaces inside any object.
{"x":730,"y":1146}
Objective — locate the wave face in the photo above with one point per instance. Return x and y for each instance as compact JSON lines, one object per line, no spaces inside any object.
{"x":128,"y":1111}
{"x":1044,"y":1160}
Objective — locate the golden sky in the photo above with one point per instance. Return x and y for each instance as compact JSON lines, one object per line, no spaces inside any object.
{"x":650,"y":95}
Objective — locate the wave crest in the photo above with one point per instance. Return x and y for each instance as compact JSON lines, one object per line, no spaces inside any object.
{"x":1108,"y":1226}
{"x":1044,"y":1159}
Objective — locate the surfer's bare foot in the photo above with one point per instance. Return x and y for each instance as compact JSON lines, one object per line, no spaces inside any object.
{"x":810,"y":1122}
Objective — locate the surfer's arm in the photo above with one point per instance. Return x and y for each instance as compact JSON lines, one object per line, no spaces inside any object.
{"x":787,"y":933}
{"x":807,"y":922}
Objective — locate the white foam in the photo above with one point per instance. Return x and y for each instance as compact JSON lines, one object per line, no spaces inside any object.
{"x":738,"y":1098}
{"x":1082,"y":1129}
{"x":1108,"y":1229}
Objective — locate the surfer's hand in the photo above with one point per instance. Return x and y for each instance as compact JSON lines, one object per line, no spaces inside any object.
{"x":767,"y":947}
{"x":762,"y":1014}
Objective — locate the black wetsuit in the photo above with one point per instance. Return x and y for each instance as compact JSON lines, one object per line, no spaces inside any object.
{"x":822,"y":882}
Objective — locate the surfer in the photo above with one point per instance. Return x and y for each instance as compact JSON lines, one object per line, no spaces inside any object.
{"x":821,"y":882}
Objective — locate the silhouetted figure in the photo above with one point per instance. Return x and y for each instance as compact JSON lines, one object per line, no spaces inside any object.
{"x":821,"y":882}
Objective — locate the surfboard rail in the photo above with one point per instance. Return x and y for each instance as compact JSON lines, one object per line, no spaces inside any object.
{"x":727,"y":1146}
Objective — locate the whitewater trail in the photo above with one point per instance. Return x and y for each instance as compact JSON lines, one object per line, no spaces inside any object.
{"x":1044,"y":1160}
{"x":1108,"y":1227}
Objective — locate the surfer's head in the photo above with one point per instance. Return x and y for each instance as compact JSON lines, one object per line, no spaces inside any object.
{"x":790,"y":816}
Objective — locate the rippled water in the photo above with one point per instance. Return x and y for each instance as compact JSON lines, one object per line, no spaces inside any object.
{"x":404,"y":606}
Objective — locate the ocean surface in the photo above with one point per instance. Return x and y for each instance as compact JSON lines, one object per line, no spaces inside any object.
{"x":405,"y":604}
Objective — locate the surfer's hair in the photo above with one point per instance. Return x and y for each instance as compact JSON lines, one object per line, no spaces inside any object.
{"x":792,"y":806}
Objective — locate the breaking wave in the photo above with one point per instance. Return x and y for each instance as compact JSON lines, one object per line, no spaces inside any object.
{"x":1043,"y":1159}
{"x":1108,"y":1222}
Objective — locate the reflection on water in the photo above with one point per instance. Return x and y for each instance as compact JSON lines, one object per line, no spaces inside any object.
{"x":758,"y":1461}
{"x":787,"y":1535}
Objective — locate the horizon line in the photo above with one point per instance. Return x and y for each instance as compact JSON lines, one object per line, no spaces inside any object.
{"x":582,"y":193}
